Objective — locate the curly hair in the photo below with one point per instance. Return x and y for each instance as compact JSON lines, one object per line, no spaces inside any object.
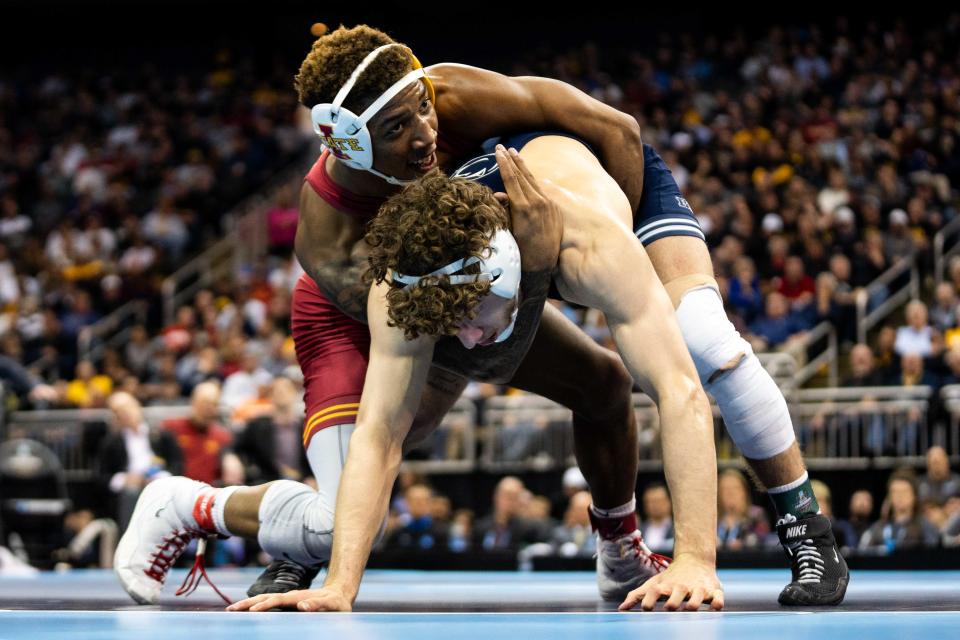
{"x":335,"y":55}
{"x":428,"y":225}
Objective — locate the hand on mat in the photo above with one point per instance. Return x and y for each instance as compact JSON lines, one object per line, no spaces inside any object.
{"x":686,"y":579}
{"x":536,"y":223}
{"x":304,"y":600}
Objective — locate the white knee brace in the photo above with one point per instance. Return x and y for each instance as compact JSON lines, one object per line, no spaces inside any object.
{"x":750,"y":402}
{"x":296,"y":522}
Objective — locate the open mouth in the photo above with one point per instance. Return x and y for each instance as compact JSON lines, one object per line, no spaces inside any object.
{"x":427,"y":164}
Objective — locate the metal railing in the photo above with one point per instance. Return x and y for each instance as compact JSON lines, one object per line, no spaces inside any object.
{"x":93,"y":340}
{"x":866,"y":318}
{"x":244,"y":241}
{"x":942,"y":255}
{"x":73,"y":434}
{"x":452,"y":447}
{"x":826,"y":358}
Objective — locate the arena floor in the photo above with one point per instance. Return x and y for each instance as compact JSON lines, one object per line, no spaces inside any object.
{"x":90,"y":605}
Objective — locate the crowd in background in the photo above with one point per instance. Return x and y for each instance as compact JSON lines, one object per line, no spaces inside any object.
{"x":816,"y":158}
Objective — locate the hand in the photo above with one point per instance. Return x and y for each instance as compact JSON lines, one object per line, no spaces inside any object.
{"x":685,"y":579}
{"x":325,"y":599}
{"x":536,"y":223}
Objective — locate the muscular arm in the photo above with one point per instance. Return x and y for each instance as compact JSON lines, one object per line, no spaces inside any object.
{"x":395,"y":381}
{"x":476,"y":104}
{"x":330,"y":248}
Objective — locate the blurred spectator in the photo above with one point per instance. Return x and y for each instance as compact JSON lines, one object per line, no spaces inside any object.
{"x":943,"y":313}
{"x":861,"y":511}
{"x":89,"y":388}
{"x":744,"y":295}
{"x":842,"y":530}
{"x":418,"y":530}
{"x":901,"y":525}
{"x":939,"y":483}
{"x":245,"y":384}
{"x":504,"y":528}
{"x":917,"y":335}
{"x":912,"y":372}
{"x":205,"y":443}
{"x":574,"y":482}
{"x":795,"y":285}
{"x":575,"y":536}
{"x":282,"y":224}
{"x":657,"y":520}
{"x":740,"y":524}
{"x":777,"y":325}
{"x":461,"y":531}
{"x":88,"y":542}
{"x":271,"y":444}
{"x":164,"y":227}
{"x":862,"y":369}
{"x":134,"y":455}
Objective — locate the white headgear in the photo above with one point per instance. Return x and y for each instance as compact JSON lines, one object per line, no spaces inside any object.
{"x":501,"y":268}
{"x":344,"y":133}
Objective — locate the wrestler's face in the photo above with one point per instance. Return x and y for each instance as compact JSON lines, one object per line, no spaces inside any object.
{"x":404,"y":135}
{"x":494,"y":314}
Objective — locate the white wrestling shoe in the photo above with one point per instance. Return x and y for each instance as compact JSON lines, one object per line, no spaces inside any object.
{"x":155,"y":538}
{"x":625,"y":562}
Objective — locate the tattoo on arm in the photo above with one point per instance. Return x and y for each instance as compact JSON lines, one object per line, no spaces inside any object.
{"x":342,"y":283}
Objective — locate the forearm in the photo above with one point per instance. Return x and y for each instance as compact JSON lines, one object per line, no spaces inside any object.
{"x":621,"y":152}
{"x":690,"y":466}
{"x":368,"y":476}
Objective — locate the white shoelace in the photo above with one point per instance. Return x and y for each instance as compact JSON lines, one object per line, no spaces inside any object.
{"x":808,"y":557}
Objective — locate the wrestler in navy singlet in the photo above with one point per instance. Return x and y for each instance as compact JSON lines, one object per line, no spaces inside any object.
{"x":663,"y":211}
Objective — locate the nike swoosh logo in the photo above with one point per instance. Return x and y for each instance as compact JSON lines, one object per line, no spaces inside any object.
{"x":157,"y":514}
{"x":835,"y":558}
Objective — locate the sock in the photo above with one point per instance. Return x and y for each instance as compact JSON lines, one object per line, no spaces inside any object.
{"x":796,"y":498}
{"x":614,"y":523}
{"x":208,"y":508}
{"x":616,"y":512}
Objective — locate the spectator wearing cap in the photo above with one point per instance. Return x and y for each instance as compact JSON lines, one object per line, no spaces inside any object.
{"x":917,"y":336}
{"x":845,"y":236}
{"x":898,"y":242}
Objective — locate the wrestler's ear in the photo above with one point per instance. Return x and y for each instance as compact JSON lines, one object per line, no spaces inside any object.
{"x":502,"y":198}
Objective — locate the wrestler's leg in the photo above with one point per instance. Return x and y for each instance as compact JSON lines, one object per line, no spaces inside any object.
{"x":566,"y":366}
{"x":750,"y":402}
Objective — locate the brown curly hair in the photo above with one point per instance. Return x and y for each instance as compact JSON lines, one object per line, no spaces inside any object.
{"x":335,"y":55}
{"x":428,"y":225}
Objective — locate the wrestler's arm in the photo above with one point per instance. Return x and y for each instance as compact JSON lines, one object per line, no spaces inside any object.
{"x":475,"y":103}
{"x":329,"y":245}
{"x":392,"y":389}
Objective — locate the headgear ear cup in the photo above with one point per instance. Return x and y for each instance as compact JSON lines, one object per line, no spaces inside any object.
{"x":345,"y":133}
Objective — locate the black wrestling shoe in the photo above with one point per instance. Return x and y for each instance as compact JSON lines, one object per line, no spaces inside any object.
{"x":282,"y":576}
{"x":820,"y":574}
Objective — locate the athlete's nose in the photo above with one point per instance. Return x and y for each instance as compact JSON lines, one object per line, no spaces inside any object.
{"x":470,"y":336}
{"x":425,"y":136}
